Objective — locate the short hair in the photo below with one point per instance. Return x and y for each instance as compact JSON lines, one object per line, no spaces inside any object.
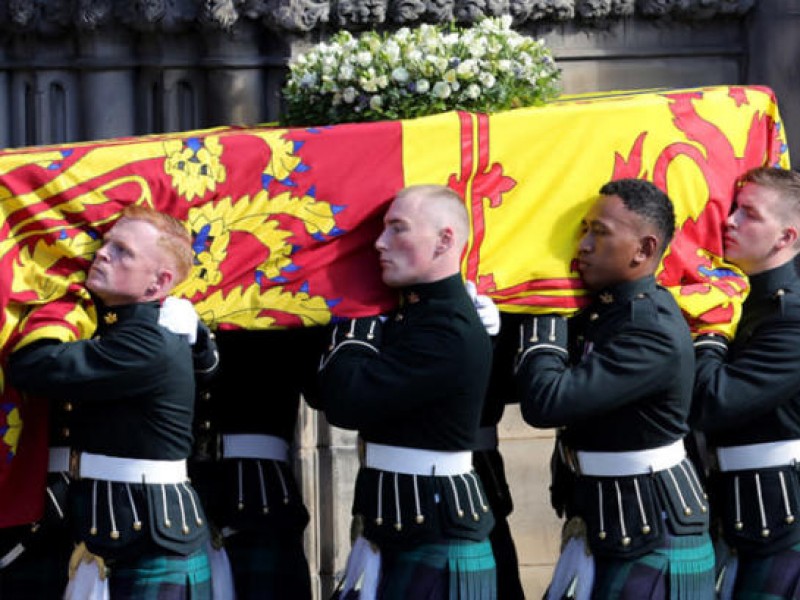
{"x":449,"y":208}
{"x":174,"y":238}
{"x":785,"y":182}
{"x":649,"y":202}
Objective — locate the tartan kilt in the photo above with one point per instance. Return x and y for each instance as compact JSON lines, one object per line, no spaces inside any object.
{"x":776,"y":576}
{"x":40,"y":572}
{"x":266,"y":566}
{"x":681,"y":568}
{"x":162,"y":577}
{"x":451,"y":570}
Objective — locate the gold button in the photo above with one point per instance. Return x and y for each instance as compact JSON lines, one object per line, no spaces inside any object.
{"x":137,"y":525}
{"x":398,"y":526}
{"x":65,"y":432}
{"x":646,"y":529}
{"x":789,"y":519}
{"x":593,"y":317}
{"x":626,"y":541}
{"x":67,"y":406}
{"x":420,"y":519}
{"x":378,"y":521}
{"x":765,"y":533}
{"x":602,"y":535}
{"x":738,"y":526}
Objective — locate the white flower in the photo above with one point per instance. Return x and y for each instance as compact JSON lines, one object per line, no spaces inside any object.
{"x":487,"y":79}
{"x":346,"y":72}
{"x":400,"y":75}
{"x":349,"y":95}
{"x":441,"y":90}
{"x":308,"y":80}
{"x":351,"y":78}
{"x":473,"y":91}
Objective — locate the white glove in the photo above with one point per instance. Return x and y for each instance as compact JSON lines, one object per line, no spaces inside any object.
{"x":487,"y":309}
{"x":179,"y":316}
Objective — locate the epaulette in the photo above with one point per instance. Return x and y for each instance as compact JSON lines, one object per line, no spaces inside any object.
{"x":639,"y":308}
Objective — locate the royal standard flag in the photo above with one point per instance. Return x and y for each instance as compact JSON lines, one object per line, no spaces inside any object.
{"x":284,"y":220}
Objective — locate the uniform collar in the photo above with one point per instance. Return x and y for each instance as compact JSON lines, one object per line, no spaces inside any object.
{"x":767,"y":283}
{"x":109,"y":316}
{"x":625,"y":292}
{"x":444,"y":288}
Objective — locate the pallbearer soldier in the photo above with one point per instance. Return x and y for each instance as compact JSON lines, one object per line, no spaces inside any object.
{"x":35,"y":558}
{"x":621,"y":394}
{"x":243,"y":468}
{"x":132,"y":389}
{"x":747,"y":392}
{"x":413,"y":386}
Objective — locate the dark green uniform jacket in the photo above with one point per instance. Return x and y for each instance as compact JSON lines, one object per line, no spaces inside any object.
{"x":751,"y":395}
{"x":131,"y":390}
{"x":257,"y":390}
{"x":422,"y":386}
{"x":625,"y":385}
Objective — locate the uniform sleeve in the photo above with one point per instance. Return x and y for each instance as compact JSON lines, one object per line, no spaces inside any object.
{"x":624,"y":370}
{"x":118,"y":365}
{"x":764,"y":374}
{"x":360,"y":387}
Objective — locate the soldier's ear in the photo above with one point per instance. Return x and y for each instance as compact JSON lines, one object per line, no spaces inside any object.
{"x":788,"y":237}
{"x":445,"y":240}
{"x":162,"y":284}
{"x":647,"y":249}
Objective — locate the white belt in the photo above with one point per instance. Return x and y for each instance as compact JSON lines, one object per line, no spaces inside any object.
{"x":758,"y":456}
{"x":635,"y":462}
{"x":59,"y":459}
{"x":131,"y":470}
{"x":414,"y":461}
{"x":255,"y":445}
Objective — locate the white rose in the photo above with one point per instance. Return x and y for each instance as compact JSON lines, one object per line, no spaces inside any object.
{"x":349,"y":95}
{"x":364,"y":58}
{"x":441,"y":90}
{"x":375,"y":102}
{"x":473,"y":91}
{"x":422,"y":86}
{"x":487,"y":79}
{"x":400,"y":75}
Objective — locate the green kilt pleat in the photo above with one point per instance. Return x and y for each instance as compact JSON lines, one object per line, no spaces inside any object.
{"x":452,"y":570}
{"x":682,"y":568}
{"x":162,"y":577}
{"x":773,"y":577}
{"x":266,"y":566}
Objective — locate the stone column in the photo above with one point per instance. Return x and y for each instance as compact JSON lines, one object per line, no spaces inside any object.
{"x":43,"y":92}
{"x":234,"y":75}
{"x":107,"y":83}
{"x":774,"y":60}
{"x":171,"y":85}
{"x":5,"y":97}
